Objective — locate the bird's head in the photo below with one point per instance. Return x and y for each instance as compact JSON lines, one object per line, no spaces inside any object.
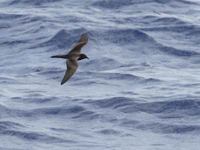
{"x":82,"y":56}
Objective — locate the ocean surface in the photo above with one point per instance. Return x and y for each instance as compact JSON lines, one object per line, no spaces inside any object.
{"x":140,"y":89}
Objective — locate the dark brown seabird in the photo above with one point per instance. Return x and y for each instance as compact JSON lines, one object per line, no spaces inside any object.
{"x":73,"y":56}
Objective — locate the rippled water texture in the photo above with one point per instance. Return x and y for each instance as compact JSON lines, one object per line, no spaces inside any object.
{"x":138,"y":91}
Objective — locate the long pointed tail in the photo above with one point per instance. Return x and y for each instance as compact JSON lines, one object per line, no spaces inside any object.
{"x":59,"y":56}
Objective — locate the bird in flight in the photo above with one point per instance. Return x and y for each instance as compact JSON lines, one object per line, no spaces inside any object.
{"x":72,"y":57}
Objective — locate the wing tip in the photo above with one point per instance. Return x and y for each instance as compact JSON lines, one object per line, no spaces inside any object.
{"x":62,"y":82}
{"x":84,"y":37}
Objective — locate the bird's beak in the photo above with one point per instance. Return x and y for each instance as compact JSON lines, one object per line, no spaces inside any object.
{"x":87,"y":57}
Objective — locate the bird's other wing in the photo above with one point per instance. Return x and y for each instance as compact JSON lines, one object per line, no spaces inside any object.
{"x":82,"y":41}
{"x":72,"y":66}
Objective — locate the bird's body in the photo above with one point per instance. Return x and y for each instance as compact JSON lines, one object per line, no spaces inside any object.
{"x":72,"y":57}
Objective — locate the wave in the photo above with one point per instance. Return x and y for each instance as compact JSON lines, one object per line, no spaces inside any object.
{"x":36,"y":98}
{"x":109,"y":132}
{"x":184,"y":29}
{"x":169,"y":128}
{"x":187,"y":2}
{"x":91,"y":78}
{"x":162,"y":128}
{"x":151,"y":21}
{"x":117,"y":76}
{"x":168,"y":20}
{"x":178,"y":2}
{"x":165,"y":109}
{"x":5,"y":80}
{"x":176,"y":108}
{"x":46,"y":70}
{"x":117,"y":4}
{"x":103,"y":63}
{"x":14,"y":42}
{"x":32,"y":2}
{"x":21,"y":19}
{"x":8,"y":16}
{"x":74,"y":112}
{"x":13,"y":112}
{"x":178,"y":52}
{"x":6,"y":125}
{"x":64,"y":110}
{"x":34,"y":136}
{"x":82,"y":82}
{"x":4,"y":148}
{"x":112,"y":4}
{"x":168,"y":108}
{"x":87,"y":115}
{"x":130,"y":36}
{"x":125,"y":36}
{"x":63,"y":38}
{"x":114,"y":102}
{"x":98,"y":78}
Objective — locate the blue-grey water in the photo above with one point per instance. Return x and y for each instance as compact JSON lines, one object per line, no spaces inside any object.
{"x":140,"y":89}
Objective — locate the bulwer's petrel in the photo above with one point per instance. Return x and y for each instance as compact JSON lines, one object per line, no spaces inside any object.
{"x":72,"y":57}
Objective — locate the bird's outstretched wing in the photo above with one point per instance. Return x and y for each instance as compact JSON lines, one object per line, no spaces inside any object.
{"x":72,"y":66}
{"x":82,"y":41}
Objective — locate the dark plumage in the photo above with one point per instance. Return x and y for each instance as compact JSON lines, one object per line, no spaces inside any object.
{"x":72,"y":57}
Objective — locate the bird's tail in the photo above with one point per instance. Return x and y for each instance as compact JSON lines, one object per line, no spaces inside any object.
{"x":60,"y":56}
